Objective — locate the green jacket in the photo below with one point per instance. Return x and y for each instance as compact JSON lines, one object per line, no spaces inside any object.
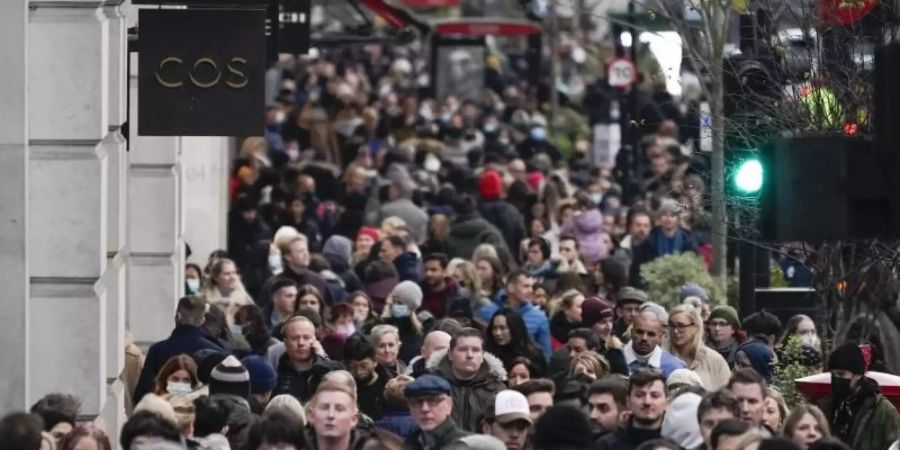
{"x":876,"y":425}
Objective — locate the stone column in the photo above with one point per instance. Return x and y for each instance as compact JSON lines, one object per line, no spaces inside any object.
{"x":204,"y":163}
{"x":68,"y":111}
{"x":156,"y":246}
{"x":14,"y":204}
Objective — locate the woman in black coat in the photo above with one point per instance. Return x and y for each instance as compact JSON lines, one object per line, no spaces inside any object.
{"x":507,"y":338}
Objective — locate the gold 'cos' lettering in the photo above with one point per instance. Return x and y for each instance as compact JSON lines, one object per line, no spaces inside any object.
{"x":205,"y":73}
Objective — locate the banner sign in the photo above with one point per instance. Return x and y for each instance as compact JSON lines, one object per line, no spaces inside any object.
{"x":201,"y":72}
{"x":294,"y":26}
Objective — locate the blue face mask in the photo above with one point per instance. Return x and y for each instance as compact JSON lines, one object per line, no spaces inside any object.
{"x":237,"y":330}
{"x":176,"y":388}
{"x":538,"y":133}
{"x":193,"y":285}
{"x":275,"y":264}
{"x":400,"y":310}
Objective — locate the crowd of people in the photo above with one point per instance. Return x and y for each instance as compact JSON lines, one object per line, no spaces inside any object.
{"x":406,"y":272}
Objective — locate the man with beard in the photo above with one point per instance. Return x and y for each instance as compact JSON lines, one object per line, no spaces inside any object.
{"x":644,"y":351}
{"x":607,"y":405}
{"x":647,"y":400}
{"x":370,"y":377}
{"x":857,"y":412}
{"x":300,"y":369}
{"x":438,"y":288}
{"x":639,"y":226}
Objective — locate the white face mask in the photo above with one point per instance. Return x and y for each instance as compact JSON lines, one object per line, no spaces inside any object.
{"x":193,"y":285}
{"x":399,"y":310}
{"x":237,"y":330}
{"x":275,"y":264}
{"x":176,"y":388}
{"x":280,"y":117}
{"x":346,"y":330}
{"x":809,"y":340}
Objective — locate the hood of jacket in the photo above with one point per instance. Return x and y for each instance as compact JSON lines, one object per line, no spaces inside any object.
{"x":588,"y":222}
{"x":491,"y":367}
{"x":468,"y":227}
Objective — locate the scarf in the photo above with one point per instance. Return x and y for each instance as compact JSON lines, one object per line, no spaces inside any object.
{"x":845,"y":409}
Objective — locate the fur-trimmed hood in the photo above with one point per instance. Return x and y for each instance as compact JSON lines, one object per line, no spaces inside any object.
{"x":491,"y":367}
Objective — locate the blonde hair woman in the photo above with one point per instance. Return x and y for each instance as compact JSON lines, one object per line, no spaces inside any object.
{"x":225,"y":290}
{"x":776,"y":409}
{"x":804,"y":425}
{"x":589,"y":363}
{"x":686,"y":342}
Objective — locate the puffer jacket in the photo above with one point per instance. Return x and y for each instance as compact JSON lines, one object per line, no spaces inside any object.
{"x":469,"y":231}
{"x":302,"y":385}
{"x":470,"y":397}
{"x":587,"y":227}
{"x":506,"y":218}
{"x":876,"y":422}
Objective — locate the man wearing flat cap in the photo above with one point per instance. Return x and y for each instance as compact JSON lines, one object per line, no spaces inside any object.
{"x":857,"y":412}
{"x":430,"y":404}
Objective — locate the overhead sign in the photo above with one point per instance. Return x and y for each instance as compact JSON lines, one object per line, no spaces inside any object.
{"x":201,"y":72}
{"x":294,"y":26}
{"x":621,"y":73}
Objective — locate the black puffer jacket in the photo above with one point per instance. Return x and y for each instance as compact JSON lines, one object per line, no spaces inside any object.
{"x":507,"y":219}
{"x":302,"y":385}
{"x":470,"y":397}
{"x":469,"y":231}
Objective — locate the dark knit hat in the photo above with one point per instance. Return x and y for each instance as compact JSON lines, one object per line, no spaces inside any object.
{"x":490,"y":186}
{"x":847,"y":357}
{"x":630,"y":294}
{"x":694,"y":290}
{"x":727,"y":314}
{"x":594,"y":310}
{"x":562,"y":427}
{"x":230,"y":377}
{"x":262,"y":375}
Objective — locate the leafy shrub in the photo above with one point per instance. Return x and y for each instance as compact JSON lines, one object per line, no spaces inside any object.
{"x":665,"y":275}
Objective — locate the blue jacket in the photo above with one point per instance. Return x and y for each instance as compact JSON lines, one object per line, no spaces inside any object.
{"x":186,"y":339}
{"x":535,"y":320}
{"x":668,"y":363}
{"x":399,"y":423}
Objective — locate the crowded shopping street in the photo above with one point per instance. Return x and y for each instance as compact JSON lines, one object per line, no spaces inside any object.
{"x":449,"y":224}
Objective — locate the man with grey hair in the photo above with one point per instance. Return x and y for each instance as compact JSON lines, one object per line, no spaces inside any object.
{"x":644,"y":351}
{"x":400,"y":204}
{"x":185,"y":338}
{"x":434,"y":342}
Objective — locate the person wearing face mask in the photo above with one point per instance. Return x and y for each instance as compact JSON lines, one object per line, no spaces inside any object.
{"x":178,"y":376}
{"x":400,"y":311}
{"x":193,"y":279}
{"x":371,"y":378}
{"x":857,"y":412}
{"x":538,"y":142}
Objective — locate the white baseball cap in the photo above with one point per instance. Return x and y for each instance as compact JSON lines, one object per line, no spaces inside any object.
{"x":510,"y":406}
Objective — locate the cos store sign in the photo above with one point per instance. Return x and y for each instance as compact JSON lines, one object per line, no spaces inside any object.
{"x":201,"y":72}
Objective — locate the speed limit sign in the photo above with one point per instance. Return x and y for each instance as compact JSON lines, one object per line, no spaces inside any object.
{"x":621,"y":73}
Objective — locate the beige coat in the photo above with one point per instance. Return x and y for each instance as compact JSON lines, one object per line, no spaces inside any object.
{"x":712,"y":368}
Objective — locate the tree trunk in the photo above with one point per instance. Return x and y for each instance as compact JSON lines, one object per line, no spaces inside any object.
{"x":717,"y":179}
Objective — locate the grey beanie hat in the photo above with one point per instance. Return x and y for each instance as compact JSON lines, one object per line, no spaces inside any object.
{"x":339,"y":246}
{"x":408,"y":293}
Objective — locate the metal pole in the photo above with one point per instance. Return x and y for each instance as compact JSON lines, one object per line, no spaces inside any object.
{"x":552,"y":43}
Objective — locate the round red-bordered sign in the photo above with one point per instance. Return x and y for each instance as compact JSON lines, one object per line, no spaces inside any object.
{"x":621,"y":73}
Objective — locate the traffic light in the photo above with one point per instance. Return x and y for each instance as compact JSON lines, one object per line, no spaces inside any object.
{"x":748,"y":176}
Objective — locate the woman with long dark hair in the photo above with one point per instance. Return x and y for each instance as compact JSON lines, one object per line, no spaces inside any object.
{"x":507,"y":338}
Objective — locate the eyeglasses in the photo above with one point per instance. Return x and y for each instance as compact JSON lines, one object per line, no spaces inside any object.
{"x":679,"y":327}
{"x":718,"y":324}
{"x":418,"y":402}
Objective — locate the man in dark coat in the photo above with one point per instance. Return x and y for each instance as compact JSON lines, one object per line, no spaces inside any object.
{"x":474,"y":377}
{"x":295,"y":258}
{"x":666,"y":239}
{"x":438,"y":289}
{"x":431,"y":403}
{"x":300,"y":369}
{"x":469,"y":229}
{"x":498,"y":211}
{"x":647,"y":398}
{"x":185,"y":338}
{"x":857,"y":412}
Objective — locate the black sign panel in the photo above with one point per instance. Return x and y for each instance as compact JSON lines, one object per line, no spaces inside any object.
{"x":201,"y":72}
{"x":294,"y":28}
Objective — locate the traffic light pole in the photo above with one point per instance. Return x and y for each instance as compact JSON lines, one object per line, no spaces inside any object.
{"x":753,"y":273}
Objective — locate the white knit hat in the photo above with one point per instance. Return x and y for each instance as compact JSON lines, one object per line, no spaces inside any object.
{"x":408,"y":293}
{"x":680,"y":423}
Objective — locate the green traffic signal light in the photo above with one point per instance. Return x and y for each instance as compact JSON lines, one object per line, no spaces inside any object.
{"x":749,"y":176}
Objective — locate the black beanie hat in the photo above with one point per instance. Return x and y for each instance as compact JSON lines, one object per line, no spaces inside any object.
{"x":562,"y":427}
{"x":207,"y":360}
{"x":847,"y":357}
